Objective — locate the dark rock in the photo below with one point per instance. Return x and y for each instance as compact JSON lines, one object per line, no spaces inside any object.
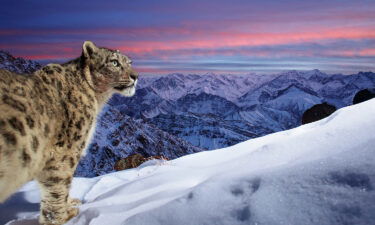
{"x":317,"y":112}
{"x":363,"y":95}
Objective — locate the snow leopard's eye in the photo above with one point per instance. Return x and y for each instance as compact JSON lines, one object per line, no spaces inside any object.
{"x":115,"y":63}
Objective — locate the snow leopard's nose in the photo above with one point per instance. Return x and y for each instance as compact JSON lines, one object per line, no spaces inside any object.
{"x":133,"y":75}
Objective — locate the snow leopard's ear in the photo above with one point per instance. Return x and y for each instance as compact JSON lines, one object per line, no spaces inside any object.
{"x":89,"y":49}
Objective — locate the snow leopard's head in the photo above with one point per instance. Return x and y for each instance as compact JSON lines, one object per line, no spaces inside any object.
{"x":109,"y":69}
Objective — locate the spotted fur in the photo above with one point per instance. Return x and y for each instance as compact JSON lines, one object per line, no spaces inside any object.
{"x":47,"y":119}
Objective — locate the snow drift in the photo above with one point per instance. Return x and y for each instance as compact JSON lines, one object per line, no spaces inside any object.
{"x":319,"y":173}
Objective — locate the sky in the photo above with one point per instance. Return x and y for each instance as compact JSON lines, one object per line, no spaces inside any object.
{"x":198,"y":36}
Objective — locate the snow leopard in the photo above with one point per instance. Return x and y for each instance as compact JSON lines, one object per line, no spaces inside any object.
{"x":47,"y":120}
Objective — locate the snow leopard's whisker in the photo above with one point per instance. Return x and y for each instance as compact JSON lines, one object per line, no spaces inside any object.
{"x":122,"y":83}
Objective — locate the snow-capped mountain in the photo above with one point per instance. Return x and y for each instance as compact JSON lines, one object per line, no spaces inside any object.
{"x":319,"y":173}
{"x":214,"y":111}
{"x":17,"y":65}
{"x":118,"y":136}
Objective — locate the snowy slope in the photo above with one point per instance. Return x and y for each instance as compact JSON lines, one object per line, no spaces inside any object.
{"x":320,"y":173}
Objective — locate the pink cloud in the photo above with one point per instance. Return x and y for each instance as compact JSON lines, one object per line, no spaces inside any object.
{"x":224,"y":39}
{"x":198,"y":40}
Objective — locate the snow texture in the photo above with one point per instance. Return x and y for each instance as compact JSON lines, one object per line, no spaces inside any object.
{"x":320,"y":173}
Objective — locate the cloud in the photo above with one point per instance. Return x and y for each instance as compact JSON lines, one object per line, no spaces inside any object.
{"x":267,"y":33}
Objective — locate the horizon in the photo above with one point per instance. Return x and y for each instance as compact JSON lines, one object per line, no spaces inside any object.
{"x":243,"y":73}
{"x":189,"y":36}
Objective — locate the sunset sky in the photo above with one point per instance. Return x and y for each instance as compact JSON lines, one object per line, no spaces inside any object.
{"x":191,"y":36}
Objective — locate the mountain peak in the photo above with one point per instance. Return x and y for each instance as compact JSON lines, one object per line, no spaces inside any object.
{"x":210,"y":74}
{"x":17,"y":65}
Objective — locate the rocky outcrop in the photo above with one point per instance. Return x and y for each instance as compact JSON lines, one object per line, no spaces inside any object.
{"x":317,"y":112}
{"x":133,"y":161}
{"x":363,"y":95}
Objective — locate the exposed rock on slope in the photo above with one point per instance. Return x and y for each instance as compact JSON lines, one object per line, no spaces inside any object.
{"x":317,"y":112}
{"x":363,"y":95}
{"x":134,"y":161}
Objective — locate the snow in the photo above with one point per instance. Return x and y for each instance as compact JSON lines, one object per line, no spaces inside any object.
{"x":319,"y":173}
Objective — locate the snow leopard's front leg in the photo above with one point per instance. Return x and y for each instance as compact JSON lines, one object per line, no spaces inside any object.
{"x":56,"y":206}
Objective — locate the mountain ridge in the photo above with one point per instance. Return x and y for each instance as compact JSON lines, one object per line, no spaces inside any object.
{"x":17,"y":65}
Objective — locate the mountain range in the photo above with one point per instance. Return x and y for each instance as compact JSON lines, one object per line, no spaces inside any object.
{"x":214,"y":111}
{"x":178,"y":114}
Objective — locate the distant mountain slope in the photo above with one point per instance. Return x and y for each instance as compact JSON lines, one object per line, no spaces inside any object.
{"x":17,"y":65}
{"x":118,"y":135}
{"x":214,"y":111}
